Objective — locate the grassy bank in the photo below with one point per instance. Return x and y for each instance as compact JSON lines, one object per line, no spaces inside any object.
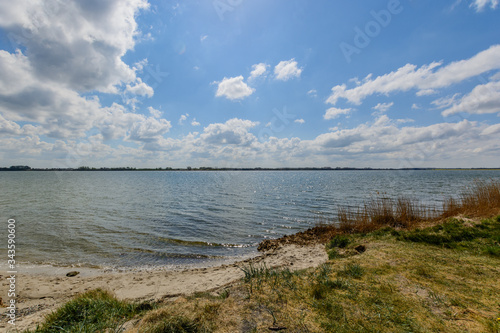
{"x":432,"y":273}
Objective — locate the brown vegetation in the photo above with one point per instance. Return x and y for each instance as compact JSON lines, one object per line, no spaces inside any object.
{"x":481,"y":199}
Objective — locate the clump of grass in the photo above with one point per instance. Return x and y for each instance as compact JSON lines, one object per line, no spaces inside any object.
{"x":333,"y":254}
{"x":338,"y":241}
{"x":252,"y":272}
{"x":352,"y":270}
{"x":256,"y":276}
{"x":181,"y":319}
{"x":93,"y":311}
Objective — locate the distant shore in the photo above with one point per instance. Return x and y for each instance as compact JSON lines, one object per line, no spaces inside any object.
{"x":86,"y":168}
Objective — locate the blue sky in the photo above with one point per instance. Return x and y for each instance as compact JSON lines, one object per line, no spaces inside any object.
{"x":240,"y":83}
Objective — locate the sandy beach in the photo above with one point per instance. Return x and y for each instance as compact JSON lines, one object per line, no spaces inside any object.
{"x":43,"y":290}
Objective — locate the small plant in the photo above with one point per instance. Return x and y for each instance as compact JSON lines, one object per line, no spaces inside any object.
{"x":224,"y":294}
{"x":338,"y":283}
{"x":352,"y":270}
{"x":252,"y":272}
{"x":493,"y":250}
{"x":333,"y":254}
{"x":340,"y":241}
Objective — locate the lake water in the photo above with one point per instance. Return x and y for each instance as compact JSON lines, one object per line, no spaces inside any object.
{"x":176,"y":219}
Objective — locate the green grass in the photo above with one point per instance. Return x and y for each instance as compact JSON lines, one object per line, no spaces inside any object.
{"x":482,"y":237}
{"x":93,"y":311}
{"x":340,"y":241}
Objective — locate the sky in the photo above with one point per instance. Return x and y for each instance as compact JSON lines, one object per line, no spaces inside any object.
{"x":250,"y":83}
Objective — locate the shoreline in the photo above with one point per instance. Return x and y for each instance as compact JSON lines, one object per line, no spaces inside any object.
{"x":42,"y":291}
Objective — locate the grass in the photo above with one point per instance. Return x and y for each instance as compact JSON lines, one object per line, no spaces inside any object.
{"x":482,"y":237}
{"x":93,"y":311}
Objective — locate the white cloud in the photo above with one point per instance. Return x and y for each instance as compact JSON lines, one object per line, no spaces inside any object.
{"x":140,"y":88}
{"x":195,"y":123}
{"x":415,"y":106}
{"x":333,"y":113}
{"x":233,"y":88}
{"x":258,"y":70}
{"x":446,"y":101}
{"x":383,"y":107}
{"x":426,"y":92}
{"x":148,"y":129}
{"x":479,"y":5}
{"x":287,"y":70}
{"x":312,"y":93}
{"x":114,"y":122}
{"x":299,"y":121}
{"x":427,"y":78}
{"x":385,"y":139}
{"x":76,"y":43}
{"x":484,"y":98}
{"x":155,"y":113}
{"x":233,"y":132}
{"x":183,"y":118}
{"x":203,"y":37}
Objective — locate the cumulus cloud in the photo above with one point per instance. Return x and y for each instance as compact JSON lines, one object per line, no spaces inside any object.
{"x":154,"y":113}
{"x":234,"y":132}
{"x":68,"y":48}
{"x":484,"y":98}
{"x":425,"y":79}
{"x":148,"y":129}
{"x":258,"y":70}
{"x":386,"y":138}
{"x":233,"y":88}
{"x":287,"y":70}
{"x":333,"y":113}
{"x":140,"y":88}
{"x":76,"y":43}
{"x":299,"y":121}
{"x":183,"y":118}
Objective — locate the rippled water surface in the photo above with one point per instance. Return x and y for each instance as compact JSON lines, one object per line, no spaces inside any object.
{"x":137,"y":219}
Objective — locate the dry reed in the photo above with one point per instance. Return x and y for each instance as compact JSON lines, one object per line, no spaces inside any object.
{"x":481,"y":199}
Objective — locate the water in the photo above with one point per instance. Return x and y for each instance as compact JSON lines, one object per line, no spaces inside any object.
{"x":178,"y":219}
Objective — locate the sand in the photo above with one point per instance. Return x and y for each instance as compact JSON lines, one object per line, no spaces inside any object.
{"x":41,"y":291}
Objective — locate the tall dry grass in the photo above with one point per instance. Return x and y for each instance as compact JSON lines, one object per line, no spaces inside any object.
{"x":481,"y":199}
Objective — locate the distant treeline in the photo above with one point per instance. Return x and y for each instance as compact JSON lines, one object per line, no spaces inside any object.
{"x":86,"y":168}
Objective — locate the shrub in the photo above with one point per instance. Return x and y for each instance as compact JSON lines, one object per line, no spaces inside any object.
{"x":340,"y":241}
